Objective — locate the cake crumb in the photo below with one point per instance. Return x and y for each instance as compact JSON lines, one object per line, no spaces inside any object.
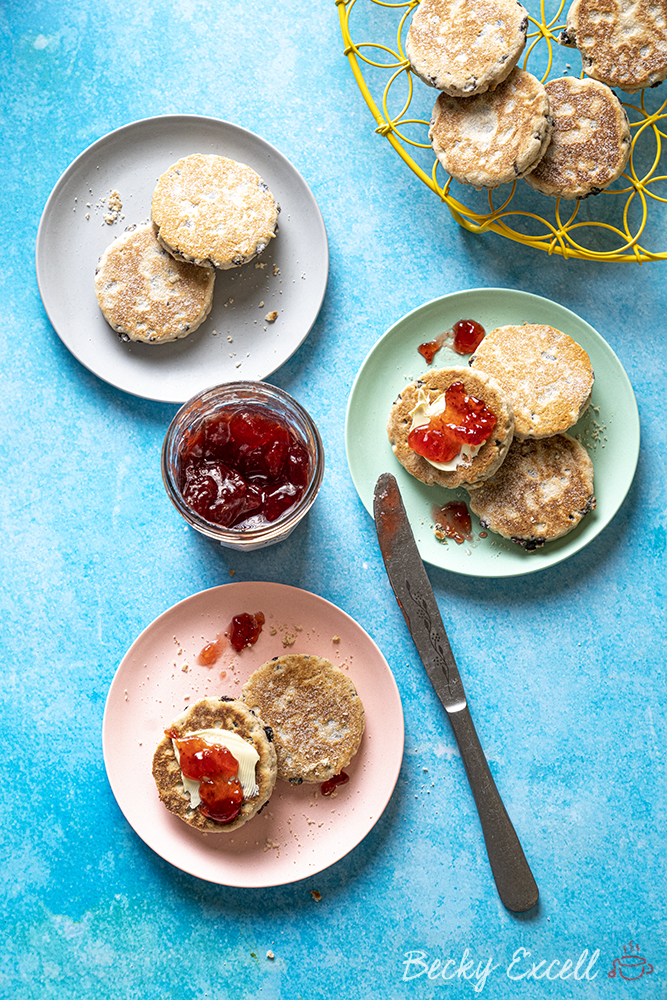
{"x":271,"y":317}
{"x":317,"y":896}
{"x":270,"y":955}
{"x":115,"y":205}
{"x":232,"y":572}
{"x":335,"y":638}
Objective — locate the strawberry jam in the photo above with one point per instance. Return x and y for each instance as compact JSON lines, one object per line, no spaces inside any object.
{"x":465,"y":420}
{"x":468,"y":335}
{"x":212,"y":651}
{"x":453,"y":521}
{"x":216,"y":769}
{"x":244,"y":630}
{"x":331,"y":784}
{"x":243,"y":468}
{"x":429,"y":350}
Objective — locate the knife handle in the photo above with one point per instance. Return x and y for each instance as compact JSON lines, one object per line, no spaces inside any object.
{"x":514,"y":880}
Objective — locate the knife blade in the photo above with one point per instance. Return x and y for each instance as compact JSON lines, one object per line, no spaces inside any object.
{"x":514,"y":880}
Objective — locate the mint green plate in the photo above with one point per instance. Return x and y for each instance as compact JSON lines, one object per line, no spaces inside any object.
{"x":609,"y":429}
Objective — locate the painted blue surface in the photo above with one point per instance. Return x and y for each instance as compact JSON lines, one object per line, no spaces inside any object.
{"x":564,"y":670}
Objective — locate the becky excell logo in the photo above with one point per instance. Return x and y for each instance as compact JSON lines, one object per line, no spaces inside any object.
{"x":523,"y":966}
{"x":631,"y":965}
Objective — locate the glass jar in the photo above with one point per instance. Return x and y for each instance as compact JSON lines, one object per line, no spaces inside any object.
{"x":216,"y":406}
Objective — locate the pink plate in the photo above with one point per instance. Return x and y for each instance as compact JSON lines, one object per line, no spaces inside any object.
{"x":300,"y":832}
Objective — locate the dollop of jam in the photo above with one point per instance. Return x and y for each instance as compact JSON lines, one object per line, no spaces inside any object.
{"x":429,"y":350}
{"x":331,"y":784}
{"x":453,"y":521}
{"x":216,"y":769}
{"x":244,"y":630}
{"x":465,"y":420}
{"x":212,"y":651}
{"x":468,"y":335}
{"x":243,"y":468}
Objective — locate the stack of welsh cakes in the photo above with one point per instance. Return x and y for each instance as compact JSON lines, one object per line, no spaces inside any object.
{"x":155,"y":282}
{"x":494,"y":123}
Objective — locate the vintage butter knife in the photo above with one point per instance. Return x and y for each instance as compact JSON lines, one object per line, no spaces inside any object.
{"x":514,"y":879}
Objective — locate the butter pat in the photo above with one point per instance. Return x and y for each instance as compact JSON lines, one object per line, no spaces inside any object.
{"x":423,"y":413}
{"x":241,"y":750}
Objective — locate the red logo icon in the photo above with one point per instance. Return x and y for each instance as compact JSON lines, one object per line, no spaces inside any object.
{"x":631,"y":965}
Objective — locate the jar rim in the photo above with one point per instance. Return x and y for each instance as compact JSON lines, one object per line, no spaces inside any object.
{"x":260,"y":392}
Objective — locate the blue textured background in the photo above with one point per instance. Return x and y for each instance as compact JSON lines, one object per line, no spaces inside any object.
{"x":564,"y":669}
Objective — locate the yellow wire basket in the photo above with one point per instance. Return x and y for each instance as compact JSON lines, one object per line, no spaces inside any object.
{"x":607,"y":227}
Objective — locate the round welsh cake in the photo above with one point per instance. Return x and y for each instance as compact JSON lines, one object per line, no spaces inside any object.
{"x":547,"y":376}
{"x":495,"y":137}
{"x":212,"y":210}
{"x":590,"y":142}
{"x":622,"y":43}
{"x":466,"y":48}
{"x":148,"y":296}
{"x":237,"y":788}
{"x":314,"y":711}
{"x":426,"y":401}
{"x":541,"y":491}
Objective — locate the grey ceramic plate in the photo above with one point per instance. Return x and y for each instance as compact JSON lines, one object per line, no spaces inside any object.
{"x":290,"y":277}
{"x":609,"y":429}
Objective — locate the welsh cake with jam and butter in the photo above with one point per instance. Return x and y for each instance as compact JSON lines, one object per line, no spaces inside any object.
{"x":466,"y":469}
{"x":250,"y":738}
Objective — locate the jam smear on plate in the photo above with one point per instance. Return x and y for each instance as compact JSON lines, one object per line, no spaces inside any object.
{"x":465,"y":337}
{"x":453,"y":521}
{"x":465,"y":420}
{"x":243,"y":468}
{"x":244,"y":630}
{"x":468,"y":335}
{"x":216,"y":769}
{"x":329,"y":786}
